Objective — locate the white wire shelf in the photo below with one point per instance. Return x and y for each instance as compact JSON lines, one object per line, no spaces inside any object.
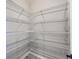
{"x":51,"y":50}
{"x":54,"y":9}
{"x":10,"y":19}
{"x":11,"y":48}
{"x":44,"y":54}
{"x":19,"y":32}
{"x":65,"y":47}
{"x":52,"y":32}
{"x":46,"y":22}
{"x":22,"y":11}
{"x":11,"y":5}
{"x":26,"y":39}
{"x":64,"y":43}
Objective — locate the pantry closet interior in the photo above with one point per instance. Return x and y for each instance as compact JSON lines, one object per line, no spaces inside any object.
{"x":38,"y":29}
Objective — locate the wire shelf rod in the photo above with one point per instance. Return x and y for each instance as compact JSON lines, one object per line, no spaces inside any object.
{"x":17,"y":20}
{"x":18,"y":32}
{"x":51,"y":8}
{"x":17,"y":11}
{"x":67,"y":49}
{"x":51,"y":41}
{"x":47,"y":56}
{"x":56,"y":11}
{"x":26,"y":39}
{"x":50,"y":22}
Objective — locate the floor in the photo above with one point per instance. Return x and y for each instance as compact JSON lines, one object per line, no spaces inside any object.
{"x":30,"y":56}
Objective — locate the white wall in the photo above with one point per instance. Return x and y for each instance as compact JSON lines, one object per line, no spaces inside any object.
{"x":17,"y":21}
{"x":38,"y":5}
{"x":50,"y":27}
